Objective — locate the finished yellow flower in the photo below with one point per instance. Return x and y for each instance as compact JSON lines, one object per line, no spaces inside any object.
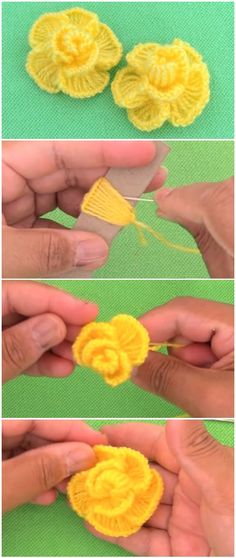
{"x":162,"y":83}
{"x":72,"y":52}
{"x":112,"y":349}
{"x":119,"y":494}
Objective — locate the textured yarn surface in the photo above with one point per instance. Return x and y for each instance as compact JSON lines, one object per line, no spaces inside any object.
{"x":72,"y":52}
{"x":29,"y":112}
{"x":119,"y":494}
{"x":162,"y":83}
{"x":112,"y":348}
{"x":187,"y":162}
{"x":83,"y":394}
{"x":56,"y":531}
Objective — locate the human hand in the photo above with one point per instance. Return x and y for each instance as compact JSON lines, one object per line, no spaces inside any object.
{"x":40,"y":176}
{"x":40,"y":455}
{"x":40,"y":323}
{"x":198,"y":377}
{"x":206,"y":210}
{"x":196,"y":514}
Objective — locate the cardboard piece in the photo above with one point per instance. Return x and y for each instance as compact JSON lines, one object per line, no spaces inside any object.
{"x":129,"y":182}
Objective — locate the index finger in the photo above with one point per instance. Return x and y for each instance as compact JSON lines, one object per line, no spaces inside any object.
{"x":46,"y":157}
{"x":50,"y":430}
{"x":30,"y":298}
{"x":194,"y":319}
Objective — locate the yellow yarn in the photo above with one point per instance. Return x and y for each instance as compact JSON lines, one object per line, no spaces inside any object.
{"x":112,"y":349}
{"x":119,"y":494}
{"x":105,"y":202}
{"x":72,"y":52}
{"x":162,"y":83}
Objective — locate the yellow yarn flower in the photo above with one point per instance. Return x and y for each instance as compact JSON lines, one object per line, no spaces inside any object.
{"x":112,"y":349}
{"x":119,"y":494}
{"x":162,"y":83}
{"x":72,"y":52}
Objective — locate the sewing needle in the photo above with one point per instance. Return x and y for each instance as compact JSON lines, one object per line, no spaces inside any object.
{"x":138,"y":199}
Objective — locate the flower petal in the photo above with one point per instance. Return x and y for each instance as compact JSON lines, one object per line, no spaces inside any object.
{"x":193,"y":55}
{"x":86,"y":21}
{"x":42,"y":69}
{"x":142,"y":55}
{"x":82,"y":86}
{"x":184,"y":110}
{"x":128,"y":88}
{"x":110,"y":49}
{"x":133,"y":337}
{"x":44,"y":28}
{"x":149,"y":116}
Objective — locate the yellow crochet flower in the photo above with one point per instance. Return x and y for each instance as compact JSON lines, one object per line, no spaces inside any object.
{"x":162,"y":83}
{"x":72,"y":52}
{"x":118,"y":494}
{"x":112,"y":349}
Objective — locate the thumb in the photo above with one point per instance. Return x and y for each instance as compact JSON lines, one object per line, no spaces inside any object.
{"x":165,"y":375}
{"x":32,"y":473}
{"x":49,"y":252}
{"x":24,"y":343}
{"x":207,"y":205}
{"x":209,"y":465}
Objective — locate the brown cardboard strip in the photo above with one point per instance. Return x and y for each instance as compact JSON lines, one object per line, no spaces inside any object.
{"x":129,"y":182}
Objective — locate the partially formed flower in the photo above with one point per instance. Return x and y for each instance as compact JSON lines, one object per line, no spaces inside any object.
{"x":119,"y":494}
{"x":112,"y":349}
{"x":162,"y":83}
{"x":72,"y":52}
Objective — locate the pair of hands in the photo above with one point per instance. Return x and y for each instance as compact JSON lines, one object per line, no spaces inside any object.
{"x":38,"y":177}
{"x":195,"y":516}
{"x":40,"y":323}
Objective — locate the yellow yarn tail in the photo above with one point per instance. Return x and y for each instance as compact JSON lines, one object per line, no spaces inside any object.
{"x":162,"y":239}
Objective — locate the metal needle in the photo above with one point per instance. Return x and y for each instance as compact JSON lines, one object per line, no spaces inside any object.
{"x":139,"y":199}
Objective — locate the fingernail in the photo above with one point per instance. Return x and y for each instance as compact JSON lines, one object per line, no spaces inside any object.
{"x":90,"y":250}
{"x":162,"y":193}
{"x":45,"y":332}
{"x":80,"y":459}
{"x":166,"y":171}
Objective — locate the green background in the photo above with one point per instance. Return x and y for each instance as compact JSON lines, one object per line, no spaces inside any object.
{"x":29,"y":112}
{"x":188,"y":161}
{"x":84,"y":393}
{"x":57,"y":531}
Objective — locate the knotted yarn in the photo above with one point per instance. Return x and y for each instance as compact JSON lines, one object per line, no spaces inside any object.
{"x":113,"y":349}
{"x":105,"y":202}
{"x":119,"y":494}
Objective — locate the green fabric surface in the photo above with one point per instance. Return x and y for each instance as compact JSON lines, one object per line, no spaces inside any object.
{"x":187,"y":162}
{"x":57,"y":531}
{"x":84,"y":393}
{"x":29,"y":112}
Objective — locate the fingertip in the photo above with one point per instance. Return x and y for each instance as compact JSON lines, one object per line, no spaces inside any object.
{"x":45,"y":499}
{"x":162,"y":194}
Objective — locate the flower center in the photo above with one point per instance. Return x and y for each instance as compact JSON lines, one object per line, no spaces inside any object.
{"x":74,"y":49}
{"x":163,"y":73}
{"x":106,"y":360}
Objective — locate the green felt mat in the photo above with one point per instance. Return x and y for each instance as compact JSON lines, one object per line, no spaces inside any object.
{"x":84,"y":394}
{"x":187,"y":162}
{"x":57,"y":531}
{"x":29,"y":112}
